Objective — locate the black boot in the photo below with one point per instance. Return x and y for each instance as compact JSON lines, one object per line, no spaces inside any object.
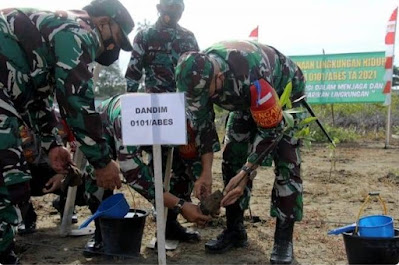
{"x":175,"y":231}
{"x":94,"y":246}
{"x":9,"y":256}
{"x":29,"y":218}
{"x":235,"y":234}
{"x":283,"y":248}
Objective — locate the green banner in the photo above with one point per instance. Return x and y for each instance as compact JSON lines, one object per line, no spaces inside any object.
{"x":343,"y":78}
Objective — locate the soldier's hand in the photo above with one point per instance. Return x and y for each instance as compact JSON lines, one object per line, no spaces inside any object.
{"x":60,"y":158}
{"x":234,"y":189}
{"x":53,"y":184}
{"x":73,"y":146}
{"x":203,"y":187}
{"x":108,"y":177}
{"x":192,"y":213}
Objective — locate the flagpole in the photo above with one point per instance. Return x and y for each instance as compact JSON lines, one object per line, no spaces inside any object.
{"x":388,"y":129}
{"x":389,"y":114}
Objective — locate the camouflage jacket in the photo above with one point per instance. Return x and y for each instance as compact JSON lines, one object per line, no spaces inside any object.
{"x":110,"y":111}
{"x":157,"y":50}
{"x":243,"y":62}
{"x":59,"y":48}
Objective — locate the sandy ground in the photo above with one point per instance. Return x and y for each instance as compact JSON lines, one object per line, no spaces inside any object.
{"x":333,"y":196}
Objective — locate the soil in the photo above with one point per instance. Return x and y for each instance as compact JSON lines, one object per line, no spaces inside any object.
{"x":333,"y":194}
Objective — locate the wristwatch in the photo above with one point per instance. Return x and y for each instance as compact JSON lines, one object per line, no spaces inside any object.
{"x":247,"y":170}
{"x":178,"y":207}
{"x":251,"y":173}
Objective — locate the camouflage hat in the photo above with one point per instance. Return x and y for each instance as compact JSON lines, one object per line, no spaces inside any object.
{"x":193,"y":75}
{"x":115,"y":10}
{"x":171,"y":2}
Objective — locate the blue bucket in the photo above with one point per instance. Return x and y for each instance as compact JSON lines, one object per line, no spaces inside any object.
{"x":376,"y":226}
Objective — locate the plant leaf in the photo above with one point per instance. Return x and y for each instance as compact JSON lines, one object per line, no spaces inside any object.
{"x":295,"y":110}
{"x":285,"y":97}
{"x":288,"y":119}
{"x":307,"y":121}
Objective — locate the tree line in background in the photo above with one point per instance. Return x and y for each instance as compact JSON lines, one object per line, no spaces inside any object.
{"x":108,"y":81}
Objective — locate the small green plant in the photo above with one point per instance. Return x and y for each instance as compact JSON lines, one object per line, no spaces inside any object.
{"x":302,"y":129}
{"x":332,"y":148}
{"x":304,"y":133}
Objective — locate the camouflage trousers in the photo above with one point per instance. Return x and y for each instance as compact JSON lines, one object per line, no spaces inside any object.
{"x":14,"y":172}
{"x":287,"y":193}
{"x":139,"y":174}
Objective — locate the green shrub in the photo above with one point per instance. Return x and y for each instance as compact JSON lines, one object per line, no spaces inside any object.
{"x":344,"y":135}
{"x":361,"y":120}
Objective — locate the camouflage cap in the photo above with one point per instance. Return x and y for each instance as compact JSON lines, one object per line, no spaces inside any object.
{"x":115,"y":10}
{"x":171,"y":2}
{"x":193,"y":75}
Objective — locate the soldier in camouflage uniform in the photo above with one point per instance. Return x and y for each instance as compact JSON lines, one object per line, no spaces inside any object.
{"x":246,"y":78}
{"x":40,"y":172}
{"x":156,"y":50}
{"x":45,"y":53}
{"x":43,"y":176}
{"x":140,"y":176}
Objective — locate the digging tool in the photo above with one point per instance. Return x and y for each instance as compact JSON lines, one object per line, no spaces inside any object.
{"x":65,"y":230}
{"x":251,"y":173}
{"x":304,"y":103}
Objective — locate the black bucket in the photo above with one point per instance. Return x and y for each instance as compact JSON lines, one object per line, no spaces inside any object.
{"x":371,"y":250}
{"x":122,"y":236}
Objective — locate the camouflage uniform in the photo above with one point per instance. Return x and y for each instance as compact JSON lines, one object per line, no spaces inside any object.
{"x":157,"y":50}
{"x":137,"y":173}
{"x":243,"y":63}
{"x":41,"y":54}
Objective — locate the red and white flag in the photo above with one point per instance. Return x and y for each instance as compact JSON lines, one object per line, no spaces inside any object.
{"x":254,"y":33}
{"x":389,"y":55}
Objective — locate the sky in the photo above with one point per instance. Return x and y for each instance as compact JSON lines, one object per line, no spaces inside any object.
{"x":293,"y":27}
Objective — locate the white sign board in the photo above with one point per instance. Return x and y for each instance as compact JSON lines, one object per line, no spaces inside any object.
{"x":153,"y":119}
